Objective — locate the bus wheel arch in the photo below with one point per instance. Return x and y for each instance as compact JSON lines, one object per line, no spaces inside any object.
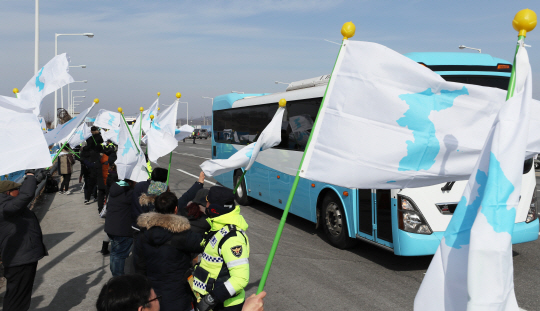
{"x":332,"y":217}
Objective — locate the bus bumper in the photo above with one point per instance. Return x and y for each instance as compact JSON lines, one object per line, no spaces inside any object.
{"x":413,"y":244}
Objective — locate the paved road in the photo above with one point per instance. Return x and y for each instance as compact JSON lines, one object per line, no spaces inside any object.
{"x":307,"y":274}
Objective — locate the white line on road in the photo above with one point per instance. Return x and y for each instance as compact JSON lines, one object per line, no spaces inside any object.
{"x":191,"y":155}
{"x":200,"y":148}
{"x":213,"y":183}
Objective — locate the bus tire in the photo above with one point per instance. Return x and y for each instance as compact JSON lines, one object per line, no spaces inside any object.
{"x":241,"y":195}
{"x":335,"y":222}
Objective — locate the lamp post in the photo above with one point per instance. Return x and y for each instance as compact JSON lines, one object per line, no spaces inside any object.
{"x":461,"y":47}
{"x":71,"y":96}
{"x":237,"y":92}
{"x":56,"y":35}
{"x":187,"y":111}
{"x":79,"y":66}
{"x":212,"y":106}
{"x":36,"y":39}
{"x":82,"y":81}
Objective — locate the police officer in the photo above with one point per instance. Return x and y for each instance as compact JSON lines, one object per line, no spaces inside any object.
{"x":223,"y":273}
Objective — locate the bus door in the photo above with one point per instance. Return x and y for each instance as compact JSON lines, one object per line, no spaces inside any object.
{"x":374,"y":212}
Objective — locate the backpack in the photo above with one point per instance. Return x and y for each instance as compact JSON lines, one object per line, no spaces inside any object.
{"x":51,"y":185}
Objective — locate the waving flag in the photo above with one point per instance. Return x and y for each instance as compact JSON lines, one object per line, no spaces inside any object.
{"x":131,"y":162}
{"x":472,"y":268}
{"x":112,"y":135}
{"x":108,"y":119}
{"x":245,"y":157}
{"x":153,"y":110}
{"x":50,"y":78}
{"x":409,"y":127}
{"x":183,"y":132}
{"x":64,"y":131}
{"x":160,"y":137}
{"x":24,"y":146}
{"x":81,"y":134}
{"x":43,"y":124}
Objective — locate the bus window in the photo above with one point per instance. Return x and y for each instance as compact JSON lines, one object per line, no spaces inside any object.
{"x":491,"y":81}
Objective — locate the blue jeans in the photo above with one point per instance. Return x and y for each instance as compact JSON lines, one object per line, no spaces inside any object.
{"x":120,"y":247}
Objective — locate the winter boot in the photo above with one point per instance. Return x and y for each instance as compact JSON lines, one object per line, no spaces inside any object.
{"x":105,"y":248}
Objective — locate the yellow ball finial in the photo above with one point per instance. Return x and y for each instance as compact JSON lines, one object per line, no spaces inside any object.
{"x":159,"y":108}
{"x":348,"y":30}
{"x":141,"y":109}
{"x":96,"y":100}
{"x":15,"y":90}
{"x":524,"y":21}
{"x":282,"y":102}
{"x":120,"y":110}
{"x":178,"y":95}
{"x":158,"y":93}
{"x":152,"y":116}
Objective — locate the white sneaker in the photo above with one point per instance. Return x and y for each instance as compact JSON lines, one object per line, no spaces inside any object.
{"x":60,"y":192}
{"x":67,"y":192}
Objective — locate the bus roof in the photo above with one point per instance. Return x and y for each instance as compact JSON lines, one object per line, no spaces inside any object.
{"x":226,"y":101}
{"x":455,"y":59}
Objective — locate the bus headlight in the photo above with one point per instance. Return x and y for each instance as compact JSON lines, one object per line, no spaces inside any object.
{"x":532,"y":214}
{"x":409,"y":217}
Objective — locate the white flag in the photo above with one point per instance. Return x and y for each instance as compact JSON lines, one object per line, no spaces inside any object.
{"x":108,"y":119}
{"x":22,"y":141}
{"x":43,"y":124}
{"x":245,"y":157}
{"x":388,"y":122}
{"x":183,"y":132}
{"x":160,"y":138}
{"x":64,"y":131}
{"x":112,"y":135}
{"x":472,"y":268}
{"x":48,"y":79}
{"x":131,"y":162}
{"x":153,"y":110}
{"x":81,"y":134}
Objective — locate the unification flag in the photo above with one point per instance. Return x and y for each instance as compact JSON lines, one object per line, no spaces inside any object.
{"x":50,"y":78}
{"x":81,"y":134}
{"x":160,"y":138}
{"x":245,"y":157}
{"x":153,"y":110}
{"x":387,"y":122}
{"x":131,"y":162}
{"x":112,"y":135}
{"x":22,"y":141}
{"x":472,"y":268}
{"x":183,"y":132}
{"x":108,"y":119}
{"x":63,"y":131}
{"x":43,"y":124}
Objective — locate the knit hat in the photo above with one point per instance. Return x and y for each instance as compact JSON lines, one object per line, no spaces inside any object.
{"x":7,"y":185}
{"x":156,"y":188}
{"x":200,"y":197}
{"x":221,"y":201}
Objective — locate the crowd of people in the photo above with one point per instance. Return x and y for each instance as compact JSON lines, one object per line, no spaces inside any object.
{"x":187,"y":253}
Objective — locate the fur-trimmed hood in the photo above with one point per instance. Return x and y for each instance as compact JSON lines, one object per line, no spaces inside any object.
{"x":170,"y":222}
{"x":145,"y":199}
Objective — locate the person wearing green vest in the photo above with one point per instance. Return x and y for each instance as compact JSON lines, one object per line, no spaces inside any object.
{"x":223,"y":273}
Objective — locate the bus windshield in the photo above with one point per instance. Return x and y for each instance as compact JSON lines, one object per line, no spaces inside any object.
{"x":491,"y":81}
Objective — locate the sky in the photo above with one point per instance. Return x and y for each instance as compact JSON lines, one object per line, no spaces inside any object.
{"x":209,"y":48}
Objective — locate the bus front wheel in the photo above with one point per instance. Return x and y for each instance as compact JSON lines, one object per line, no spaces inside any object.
{"x":335,"y":222}
{"x":241,"y":195}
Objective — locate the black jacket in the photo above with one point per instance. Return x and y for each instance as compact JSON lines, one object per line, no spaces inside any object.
{"x":163,"y":254}
{"x":118,"y":220}
{"x":140,"y":188}
{"x":21,"y":240}
{"x":189,"y":195}
{"x":92,"y":160}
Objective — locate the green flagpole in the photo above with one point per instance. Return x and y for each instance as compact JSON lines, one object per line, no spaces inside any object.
{"x":524,"y":21}
{"x":133,"y":139}
{"x":347,"y":31}
{"x":140,"y":125}
{"x":73,"y":152}
{"x":178,"y":95}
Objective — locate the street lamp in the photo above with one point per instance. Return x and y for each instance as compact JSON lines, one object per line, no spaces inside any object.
{"x":187,"y":111}
{"x":279,"y":82}
{"x":461,"y":47}
{"x":237,"y":92}
{"x":211,"y":99}
{"x":71,"y":97}
{"x":79,"y":66}
{"x":56,"y":35}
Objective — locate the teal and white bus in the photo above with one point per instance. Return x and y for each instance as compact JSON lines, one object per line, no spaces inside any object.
{"x":408,"y":222}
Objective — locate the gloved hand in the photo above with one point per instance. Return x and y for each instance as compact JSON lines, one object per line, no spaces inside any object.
{"x":207,"y":303}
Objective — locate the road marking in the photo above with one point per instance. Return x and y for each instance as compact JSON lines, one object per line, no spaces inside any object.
{"x":191,"y":155}
{"x":199,"y":148}
{"x":213,"y":183}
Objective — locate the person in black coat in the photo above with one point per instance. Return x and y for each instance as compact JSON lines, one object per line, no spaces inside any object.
{"x":21,"y":241}
{"x":91,"y":158}
{"x":158,"y":174}
{"x":118,"y":224}
{"x":163,"y":251}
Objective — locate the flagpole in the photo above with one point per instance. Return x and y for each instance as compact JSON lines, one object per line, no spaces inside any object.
{"x":178,"y":95}
{"x":524,"y":21}
{"x":123,"y":118}
{"x":347,"y":31}
{"x":140,"y":127}
{"x":96,"y":101}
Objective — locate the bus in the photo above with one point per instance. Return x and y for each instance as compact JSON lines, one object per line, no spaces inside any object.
{"x":408,"y":222}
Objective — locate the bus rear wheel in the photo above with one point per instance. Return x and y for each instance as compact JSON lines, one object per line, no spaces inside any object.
{"x":241,"y":195}
{"x":335,"y":222}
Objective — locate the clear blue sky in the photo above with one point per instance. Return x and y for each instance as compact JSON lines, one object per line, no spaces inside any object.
{"x":208,"y":48}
